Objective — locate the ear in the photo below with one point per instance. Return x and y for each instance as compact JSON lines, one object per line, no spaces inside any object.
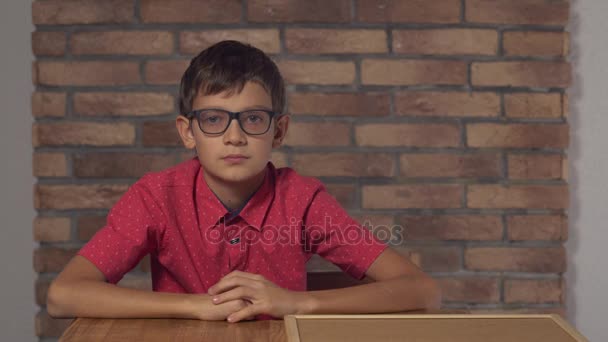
{"x":280,"y":130}
{"x":185,"y":131}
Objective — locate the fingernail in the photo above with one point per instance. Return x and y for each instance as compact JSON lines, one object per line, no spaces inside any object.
{"x":215,"y":299}
{"x":230,"y":319}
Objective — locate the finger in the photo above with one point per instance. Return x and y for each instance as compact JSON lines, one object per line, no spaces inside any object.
{"x":248,"y":312}
{"x":252,"y":276}
{"x":228,"y":284}
{"x":240,"y":292}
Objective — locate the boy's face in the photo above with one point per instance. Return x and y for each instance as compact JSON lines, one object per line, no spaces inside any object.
{"x":212,"y":149}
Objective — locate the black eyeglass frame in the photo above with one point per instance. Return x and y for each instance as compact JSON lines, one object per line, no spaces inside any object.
{"x":232,"y":115}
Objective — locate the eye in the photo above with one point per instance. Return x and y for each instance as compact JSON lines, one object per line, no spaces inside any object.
{"x":212,"y":119}
{"x":254,"y":118}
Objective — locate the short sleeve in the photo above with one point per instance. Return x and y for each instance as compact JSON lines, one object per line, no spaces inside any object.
{"x":130,"y":233}
{"x":332,"y":234}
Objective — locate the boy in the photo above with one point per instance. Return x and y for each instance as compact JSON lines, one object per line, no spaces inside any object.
{"x":228,"y":233}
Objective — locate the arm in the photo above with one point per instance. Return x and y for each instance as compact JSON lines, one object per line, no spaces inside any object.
{"x":399,"y":286}
{"x":80,"y":290}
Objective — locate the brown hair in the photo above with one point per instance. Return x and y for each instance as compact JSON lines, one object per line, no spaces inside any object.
{"x":227,"y":66}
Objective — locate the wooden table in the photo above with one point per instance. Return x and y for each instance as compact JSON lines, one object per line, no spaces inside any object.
{"x":430,"y":328}
{"x":99,"y":329}
{"x":444,"y":325}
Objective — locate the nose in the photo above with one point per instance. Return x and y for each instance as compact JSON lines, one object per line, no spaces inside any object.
{"x":234,"y":134}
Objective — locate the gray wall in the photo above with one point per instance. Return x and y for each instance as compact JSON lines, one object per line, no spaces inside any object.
{"x":17,"y":306}
{"x":588,"y":155}
{"x":587,"y":278}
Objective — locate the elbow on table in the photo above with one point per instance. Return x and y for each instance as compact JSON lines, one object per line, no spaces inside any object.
{"x":433,"y":294}
{"x":56,"y":299}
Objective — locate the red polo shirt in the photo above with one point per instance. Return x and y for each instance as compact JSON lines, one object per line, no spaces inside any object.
{"x":193,"y":241}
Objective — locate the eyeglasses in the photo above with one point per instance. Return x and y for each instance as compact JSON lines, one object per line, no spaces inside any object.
{"x":217,"y":121}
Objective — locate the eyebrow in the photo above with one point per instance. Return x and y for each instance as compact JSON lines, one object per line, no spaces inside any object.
{"x":242,"y":110}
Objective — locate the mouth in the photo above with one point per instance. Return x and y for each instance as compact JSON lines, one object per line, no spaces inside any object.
{"x":235,"y":158}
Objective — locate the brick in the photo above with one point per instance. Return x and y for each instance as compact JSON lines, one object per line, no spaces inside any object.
{"x":374,"y":221}
{"x":415,"y":135}
{"x":537,"y":227}
{"x":517,"y":135}
{"x":565,"y":166}
{"x":345,"y":164}
{"x":451,"y":227}
{"x":450,"y":165}
{"x":518,"y":196}
{"x":160,"y":133}
{"x":165,"y":72}
{"x":317,"y":72}
{"x":120,"y":165}
{"x":279,"y":159}
{"x":318,"y":134}
{"x":48,"y":164}
{"x":412,"y":196}
{"x":434,"y":103}
{"x":191,"y":11}
{"x":324,"y":41}
{"x":446,"y":42}
{"x":534,"y":291}
{"x":122,"y":43}
{"x":530,"y":43}
{"x":266,"y":40}
{"x":412,"y":11}
{"x":537,"y":260}
{"x":413,"y":72}
{"x":67,"y":12}
{"x":41,"y":290}
{"x":94,"y":196}
{"x":382,"y":226}
{"x":48,"y":43}
{"x":533,"y":105}
{"x":469,"y":289}
{"x":340,"y":104}
{"x":109,"y":73}
{"x":435,"y":259}
{"x":46,"y":326}
{"x":529,"y":12}
{"x":83,"y":133}
{"x":294,"y":11}
{"x":52,"y":229}
{"x":531,"y":166}
{"x":52,"y":259}
{"x":343,"y":193}
{"x":45,"y":104}
{"x":129,"y":104}
{"x":521,"y":74}
{"x":87,"y":226}
{"x":565,"y":105}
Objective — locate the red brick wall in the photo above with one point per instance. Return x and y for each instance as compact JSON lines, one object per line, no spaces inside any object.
{"x":445,"y":117}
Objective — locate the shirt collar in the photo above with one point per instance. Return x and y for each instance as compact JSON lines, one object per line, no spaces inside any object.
{"x":211,"y":210}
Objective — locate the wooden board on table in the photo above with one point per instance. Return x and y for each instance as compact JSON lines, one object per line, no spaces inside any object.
{"x":430,"y":328}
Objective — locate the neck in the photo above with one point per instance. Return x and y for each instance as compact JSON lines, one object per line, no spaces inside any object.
{"x":234,"y":195}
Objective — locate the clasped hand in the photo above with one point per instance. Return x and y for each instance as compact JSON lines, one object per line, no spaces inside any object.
{"x":263,"y":296}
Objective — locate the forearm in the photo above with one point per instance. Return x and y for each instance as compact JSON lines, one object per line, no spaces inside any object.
{"x":88,"y":298}
{"x":399,"y":294}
